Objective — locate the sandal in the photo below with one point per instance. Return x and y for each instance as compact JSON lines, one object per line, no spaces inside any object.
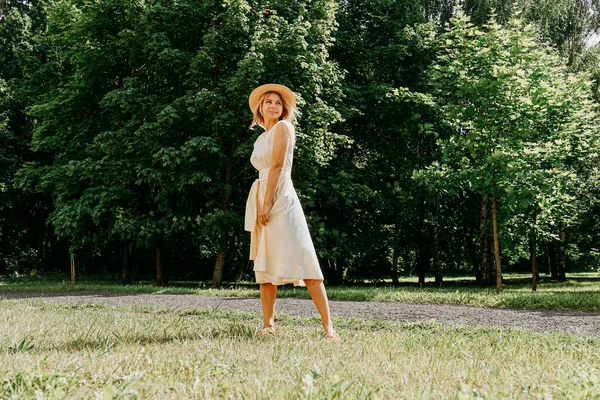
{"x":333,"y":336}
{"x":267,"y":330}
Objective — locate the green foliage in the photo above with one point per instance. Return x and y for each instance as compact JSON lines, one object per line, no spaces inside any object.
{"x":127,"y":124}
{"x":569,"y":25}
{"x":369,"y":187}
{"x":144,"y":130}
{"x":522,"y":126}
{"x":22,"y":217}
{"x":6,"y":159}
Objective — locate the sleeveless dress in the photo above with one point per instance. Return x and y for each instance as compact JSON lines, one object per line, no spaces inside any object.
{"x":282,"y":250}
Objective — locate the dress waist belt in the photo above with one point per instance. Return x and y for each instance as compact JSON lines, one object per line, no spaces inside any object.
{"x":252,"y":202}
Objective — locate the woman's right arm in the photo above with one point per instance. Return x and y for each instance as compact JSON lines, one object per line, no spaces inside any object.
{"x":280,"y":145}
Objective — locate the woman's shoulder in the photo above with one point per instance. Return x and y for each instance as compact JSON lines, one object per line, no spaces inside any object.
{"x":290,"y":127}
{"x":284,"y":122}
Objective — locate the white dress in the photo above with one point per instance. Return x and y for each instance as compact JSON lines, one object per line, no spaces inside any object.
{"x":282,"y":250}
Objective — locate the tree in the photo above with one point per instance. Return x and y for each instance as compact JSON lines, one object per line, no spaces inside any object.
{"x":6,"y":165}
{"x":514,"y":110}
{"x":145,"y":129}
{"x":387,"y":224}
{"x":25,"y":243}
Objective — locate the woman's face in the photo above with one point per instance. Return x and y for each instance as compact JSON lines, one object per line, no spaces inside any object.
{"x":272,"y":107}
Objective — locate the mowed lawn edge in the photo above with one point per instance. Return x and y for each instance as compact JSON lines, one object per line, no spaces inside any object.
{"x":98,"y":351}
{"x":579,"y":293}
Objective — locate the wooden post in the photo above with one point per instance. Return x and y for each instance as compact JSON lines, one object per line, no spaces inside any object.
{"x":72,"y":269}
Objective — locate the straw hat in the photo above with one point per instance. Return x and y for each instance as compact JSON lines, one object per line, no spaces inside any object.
{"x":283,"y":91}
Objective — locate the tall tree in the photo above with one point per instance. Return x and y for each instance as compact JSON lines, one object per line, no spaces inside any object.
{"x":26,"y":243}
{"x":145,"y":130}
{"x":513,"y":109}
{"x":390,"y":226}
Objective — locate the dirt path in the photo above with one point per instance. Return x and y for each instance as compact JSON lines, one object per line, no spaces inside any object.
{"x":581,"y":323}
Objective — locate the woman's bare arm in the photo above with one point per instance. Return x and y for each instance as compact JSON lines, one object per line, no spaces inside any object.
{"x":280,"y":144}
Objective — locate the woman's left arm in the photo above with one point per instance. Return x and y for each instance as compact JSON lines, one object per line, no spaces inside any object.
{"x":280,"y":145}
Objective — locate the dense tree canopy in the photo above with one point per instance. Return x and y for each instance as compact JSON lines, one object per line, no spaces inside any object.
{"x":520,"y":124}
{"x":124,"y":133}
{"x":144,"y":129}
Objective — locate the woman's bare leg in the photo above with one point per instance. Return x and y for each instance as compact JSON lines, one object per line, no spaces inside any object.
{"x":317,"y":292}
{"x":268,"y":294}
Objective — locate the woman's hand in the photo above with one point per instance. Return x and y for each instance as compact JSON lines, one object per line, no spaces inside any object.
{"x":263,"y":214}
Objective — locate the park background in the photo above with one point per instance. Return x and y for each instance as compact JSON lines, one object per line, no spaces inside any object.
{"x":439,"y":140}
{"x":435,"y":138}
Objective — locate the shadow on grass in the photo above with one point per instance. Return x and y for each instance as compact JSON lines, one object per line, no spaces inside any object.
{"x":38,"y":294}
{"x":232,"y":331}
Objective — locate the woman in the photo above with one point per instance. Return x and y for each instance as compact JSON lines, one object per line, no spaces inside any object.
{"x":280,"y":243}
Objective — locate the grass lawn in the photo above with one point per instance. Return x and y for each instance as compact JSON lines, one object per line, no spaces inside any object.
{"x":57,"y":351}
{"x":581,"y":292}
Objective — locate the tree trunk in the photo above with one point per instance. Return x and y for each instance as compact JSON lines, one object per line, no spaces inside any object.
{"x":421,"y":278}
{"x":334,"y":273}
{"x":218,"y":273}
{"x":161,"y":276}
{"x":496,"y":244}
{"x":220,"y":262}
{"x":533,"y":251}
{"x":126,"y":272}
{"x":435,"y":264}
{"x":422,"y":262}
{"x":487,"y":273}
{"x":473,"y":254}
{"x":240,"y":271}
{"x":395,"y":256}
{"x":534,"y":275}
{"x":72,"y":268}
{"x":561,"y":262}
{"x":553,"y":270}
{"x":439,"y":278}
{"x":423,"y":250}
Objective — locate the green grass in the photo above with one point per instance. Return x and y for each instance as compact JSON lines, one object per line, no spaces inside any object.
{"x":57,"y":351}
{"x":579,"y":293}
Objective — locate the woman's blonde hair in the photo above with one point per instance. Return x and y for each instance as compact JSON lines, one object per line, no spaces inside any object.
{"x":289,"y":113}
